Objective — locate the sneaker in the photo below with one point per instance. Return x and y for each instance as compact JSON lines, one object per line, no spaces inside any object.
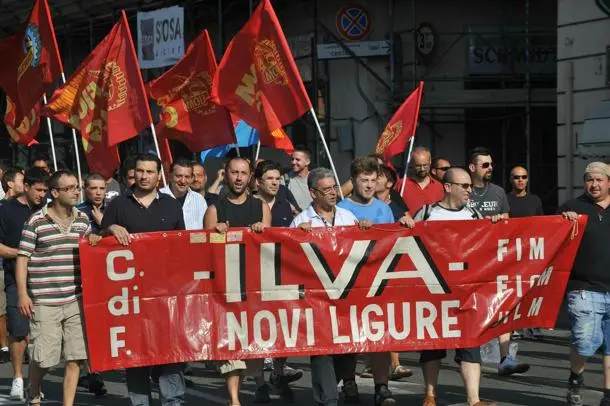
{"x":17,"y":389}
{"x":429,"y":401}
{"x":83,"y":381}
{"x":574,"y":398}
{"x":262,"y":394}
{"x":281,"y":383}
{"x":96,"y":385}
{"x":384,"y":397}
{"x":290,"y":375}
{"x":5,"y":356}
{"x":511,"y":366}
{"x":367,"y":373}
{"x":350,"y":392}
{"x":188,"y":370}
{"x":268,"y":365}
{"x":516,"y":335}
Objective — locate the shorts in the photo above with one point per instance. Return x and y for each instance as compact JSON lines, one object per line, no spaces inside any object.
{"x":2,"y":294}
{"x":227,"y":367}
{"x":590,"y":319}
{"x":57,"y":331}
{"x":18,"y":325}
{"x":461,"y":354}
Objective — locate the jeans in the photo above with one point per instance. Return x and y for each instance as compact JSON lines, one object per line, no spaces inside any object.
{"x":589,"y":313}
{"x":171,"y":385}
{"x":323,"y":381}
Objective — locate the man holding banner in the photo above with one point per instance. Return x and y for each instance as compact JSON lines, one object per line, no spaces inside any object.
{"x":458,"y":188}
{"x":140,"y":210}
{"x":589,"y":285}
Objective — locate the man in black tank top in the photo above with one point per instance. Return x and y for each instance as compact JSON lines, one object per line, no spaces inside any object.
{"x":237,"y":208}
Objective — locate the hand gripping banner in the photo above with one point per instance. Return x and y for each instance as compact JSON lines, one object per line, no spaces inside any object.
{"x":198,"y":295}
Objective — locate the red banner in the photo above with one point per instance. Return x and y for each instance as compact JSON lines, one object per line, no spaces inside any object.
{"x":197,"y":295}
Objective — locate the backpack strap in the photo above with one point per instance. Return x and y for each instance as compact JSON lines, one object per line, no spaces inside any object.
{"x":427,"y":209}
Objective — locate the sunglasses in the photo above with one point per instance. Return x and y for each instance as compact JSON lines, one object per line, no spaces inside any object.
{"x":517,"y":177}
{"x":443,"y":168}
{"x":485,"y":165}
{"x":464,"y":186}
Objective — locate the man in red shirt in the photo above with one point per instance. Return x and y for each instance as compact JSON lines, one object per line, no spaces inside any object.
{"x":421,"y":188}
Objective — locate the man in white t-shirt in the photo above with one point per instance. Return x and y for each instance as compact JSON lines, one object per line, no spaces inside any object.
{"x":457,"y":186}
{"x":323,"y":212}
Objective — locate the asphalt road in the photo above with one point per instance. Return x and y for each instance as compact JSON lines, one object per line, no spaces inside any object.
{"x":543,"y":385}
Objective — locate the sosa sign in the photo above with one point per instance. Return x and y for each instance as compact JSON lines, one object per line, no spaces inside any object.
{"x":198,"y":295}
{"x":160,"y":37}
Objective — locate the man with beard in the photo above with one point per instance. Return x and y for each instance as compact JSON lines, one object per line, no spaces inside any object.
{"x":296,"y":179}
{"x":200,"y":180}
{"x":193,"y":204}
{"x":457,"y":190}
{"x":268,"y":176}
{"x":95,"y":200}
{"x":490,"y":200}
{"x":238,"y":208}
{"x":13,"y":215}
{"x":142,"y":209}
{"x":421,"y":188}
{"x":49,"y":285}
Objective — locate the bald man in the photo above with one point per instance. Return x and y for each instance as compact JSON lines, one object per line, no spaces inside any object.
{"x":421,"y":188}
{"x":521,"y":203}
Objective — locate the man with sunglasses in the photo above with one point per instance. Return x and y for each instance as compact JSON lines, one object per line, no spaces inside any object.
{"x":491,"y":201}
{"x":439,"y":167}
{"x":523,"y":204}
{"x":454,"y":206}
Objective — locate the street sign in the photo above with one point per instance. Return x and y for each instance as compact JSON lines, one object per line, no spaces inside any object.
{"x":361,"y":48}
{"x":353,"y":23}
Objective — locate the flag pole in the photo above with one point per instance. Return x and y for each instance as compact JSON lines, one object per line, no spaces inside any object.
{"x":404,"y":177}
{"x":53,"y":154}
{"x":154,"y":134}
{"x":258,"y":151}
{"x":150,"y":120}
{"x":330,"y":158}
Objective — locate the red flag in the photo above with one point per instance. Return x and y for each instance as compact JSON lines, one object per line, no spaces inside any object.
{"x":401,"y":127}
{"x":24,"y":133}
{"x":31,"y":61}
{"x":257,"y":78}
{"x":104,"y":99}
{"x":189,"y":115}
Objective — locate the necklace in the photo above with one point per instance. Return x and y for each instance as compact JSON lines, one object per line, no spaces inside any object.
{"x":477,"y":194}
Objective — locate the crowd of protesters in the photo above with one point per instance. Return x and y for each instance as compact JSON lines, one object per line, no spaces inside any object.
{"x":42,"y":220}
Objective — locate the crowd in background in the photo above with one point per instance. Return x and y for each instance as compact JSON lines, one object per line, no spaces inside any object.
{"x":43,"y":215}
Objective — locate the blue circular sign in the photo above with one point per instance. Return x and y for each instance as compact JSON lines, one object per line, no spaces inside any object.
{"x":353,"y":23}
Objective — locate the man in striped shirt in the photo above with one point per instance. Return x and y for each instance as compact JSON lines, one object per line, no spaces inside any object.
{"x":49,"y":285}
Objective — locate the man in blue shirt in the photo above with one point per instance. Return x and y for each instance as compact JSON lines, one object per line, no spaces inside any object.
{"x":367,"y":209}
